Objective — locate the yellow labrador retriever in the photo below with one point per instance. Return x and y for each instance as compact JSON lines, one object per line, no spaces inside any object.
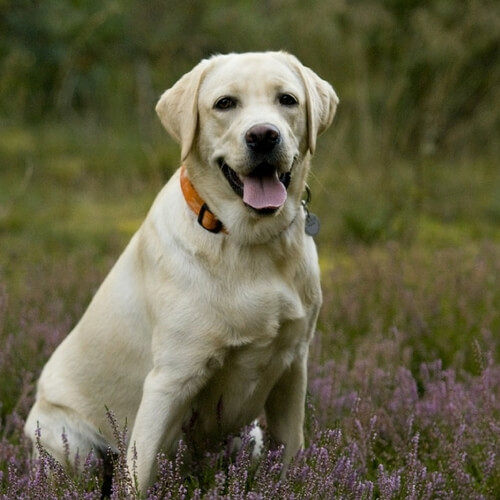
{"x":206,"y":318}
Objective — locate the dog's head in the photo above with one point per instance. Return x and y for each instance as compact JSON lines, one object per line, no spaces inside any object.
{"x":246,"y":124}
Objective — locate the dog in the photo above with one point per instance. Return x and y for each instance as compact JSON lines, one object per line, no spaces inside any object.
{"x":205,"y":320}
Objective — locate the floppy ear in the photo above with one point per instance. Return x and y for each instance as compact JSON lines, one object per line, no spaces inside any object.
{"x":178,"y":107}
{"x":321,"y":104}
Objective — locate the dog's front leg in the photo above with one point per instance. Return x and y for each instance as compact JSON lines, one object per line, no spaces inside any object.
{"x":285,"y":407}
{"x":165,"y":402}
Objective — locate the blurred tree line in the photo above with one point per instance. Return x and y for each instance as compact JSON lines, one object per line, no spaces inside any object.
{"x":414,"y":76}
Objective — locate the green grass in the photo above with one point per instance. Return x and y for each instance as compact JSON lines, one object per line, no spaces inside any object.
{"x":66,"y":190}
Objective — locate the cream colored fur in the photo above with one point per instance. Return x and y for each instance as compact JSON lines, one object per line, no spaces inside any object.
{"x":191,"y":326}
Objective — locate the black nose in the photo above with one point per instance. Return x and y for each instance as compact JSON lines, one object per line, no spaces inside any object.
{"x":262,"y":138}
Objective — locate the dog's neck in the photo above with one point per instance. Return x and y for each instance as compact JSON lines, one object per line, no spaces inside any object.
{"x":206,"y":218}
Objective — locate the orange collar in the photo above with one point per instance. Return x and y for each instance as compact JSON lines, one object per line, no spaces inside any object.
{"x":206,"y":219}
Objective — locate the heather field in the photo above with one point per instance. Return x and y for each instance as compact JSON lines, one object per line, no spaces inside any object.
{"x":404,"y":371}
{"x":404,"y":390}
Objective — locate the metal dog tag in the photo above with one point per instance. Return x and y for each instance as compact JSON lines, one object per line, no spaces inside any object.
{"x":312,"y":224}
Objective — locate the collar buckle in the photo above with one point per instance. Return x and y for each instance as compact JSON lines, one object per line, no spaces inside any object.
{"x":217,"y":224}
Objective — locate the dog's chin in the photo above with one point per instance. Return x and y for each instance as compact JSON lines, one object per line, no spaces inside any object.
{"x":261,"y":172}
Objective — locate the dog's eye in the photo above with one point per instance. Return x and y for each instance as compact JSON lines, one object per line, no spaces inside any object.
{"x":287,"y":100}
{"x":225,"y":102}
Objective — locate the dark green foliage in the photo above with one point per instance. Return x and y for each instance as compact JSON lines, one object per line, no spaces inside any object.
{"x":414,"y":77}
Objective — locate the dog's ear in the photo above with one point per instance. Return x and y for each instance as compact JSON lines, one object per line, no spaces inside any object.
{"x":178,"y":107}
{"x":321,"y":104}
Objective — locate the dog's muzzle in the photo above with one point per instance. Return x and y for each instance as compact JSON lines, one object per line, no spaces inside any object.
{"x":264,"y":189}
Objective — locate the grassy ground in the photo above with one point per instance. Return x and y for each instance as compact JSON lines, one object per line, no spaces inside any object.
{"x":404,"y":372}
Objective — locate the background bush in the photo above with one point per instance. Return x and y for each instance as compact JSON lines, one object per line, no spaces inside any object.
{"x":414,"y":76}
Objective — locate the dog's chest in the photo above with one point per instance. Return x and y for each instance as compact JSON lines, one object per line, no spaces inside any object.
{"x":263,"y":327}
{"x":240,"y":382}
{"x":253,"y":313}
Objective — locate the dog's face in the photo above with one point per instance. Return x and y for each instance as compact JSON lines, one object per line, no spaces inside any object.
{"x":246,"y":124}
{"x":252,"y":118}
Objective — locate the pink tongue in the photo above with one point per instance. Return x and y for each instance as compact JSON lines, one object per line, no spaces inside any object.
{"x":263,"y":192}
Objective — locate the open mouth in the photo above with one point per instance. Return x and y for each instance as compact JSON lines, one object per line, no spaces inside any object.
{"x":263,"y":189}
